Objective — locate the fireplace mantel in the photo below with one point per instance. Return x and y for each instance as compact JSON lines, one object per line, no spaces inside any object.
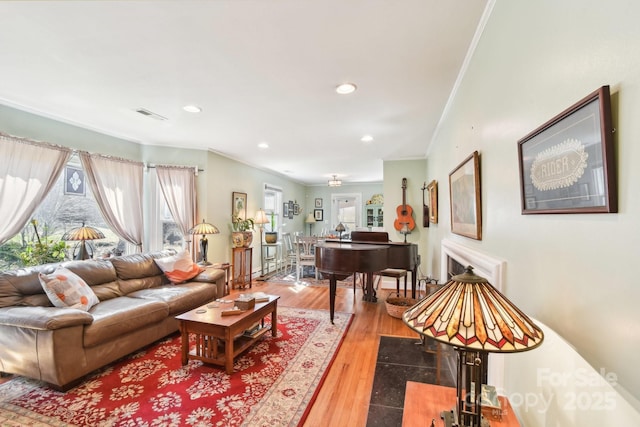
{"x":487,"y":266}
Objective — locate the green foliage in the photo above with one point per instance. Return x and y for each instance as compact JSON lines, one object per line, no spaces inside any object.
{"x":42,"y":250}
{"x":240,"y":224}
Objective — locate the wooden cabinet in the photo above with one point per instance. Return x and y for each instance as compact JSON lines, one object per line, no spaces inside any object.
{"x":374,"y":216}
{"x":242,"y":267}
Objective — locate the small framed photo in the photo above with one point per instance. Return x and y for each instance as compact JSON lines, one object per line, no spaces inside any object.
{"x":567,"y":165}
{"x":318,"y":203}
{"x":296,"y":209}
{"x":239,"y":205}
{"x":74,"y":182}
{"x":466,"y":207}
{"x":318,"y":214}
{"x":285,"y":210}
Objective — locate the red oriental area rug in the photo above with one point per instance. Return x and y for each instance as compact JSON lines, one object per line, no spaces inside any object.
{"x":274,"y":384}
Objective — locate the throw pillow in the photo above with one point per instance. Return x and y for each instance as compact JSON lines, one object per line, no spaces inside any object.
{"x":179,"y":267}
{"x":66,"y":289}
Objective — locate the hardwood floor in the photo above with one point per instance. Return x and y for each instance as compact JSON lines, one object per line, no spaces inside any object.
{"x":343,"y":399}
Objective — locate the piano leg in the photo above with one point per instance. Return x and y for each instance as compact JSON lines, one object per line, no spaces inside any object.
{"x":369,"y":291}
{"x":333,"y":282}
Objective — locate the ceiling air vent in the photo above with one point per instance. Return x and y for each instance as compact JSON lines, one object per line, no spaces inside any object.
{"x":151,"y":114}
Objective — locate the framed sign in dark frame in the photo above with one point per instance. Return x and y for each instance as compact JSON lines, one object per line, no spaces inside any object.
{"x":567,"y":165}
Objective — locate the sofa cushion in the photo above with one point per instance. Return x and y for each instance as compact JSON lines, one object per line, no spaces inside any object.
{"x":179,"y":268}
{"x":66,"y":289}
{"x":180,"y":298}
{"x":22,"y":286}
{"x":100,"y":274}
{"x":119,"y":316}
{"x":137,"y":266}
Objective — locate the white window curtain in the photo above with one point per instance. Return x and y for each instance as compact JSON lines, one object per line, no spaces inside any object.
{"x":28,"y":170}
{"x":178,"y":185}
{"x":117,"y":186}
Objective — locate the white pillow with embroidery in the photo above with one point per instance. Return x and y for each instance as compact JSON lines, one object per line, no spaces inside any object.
{"x":66,"y":289}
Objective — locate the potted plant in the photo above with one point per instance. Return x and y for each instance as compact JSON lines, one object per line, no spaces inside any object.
{"x":242,"y":234}
{"x":271,"y":236}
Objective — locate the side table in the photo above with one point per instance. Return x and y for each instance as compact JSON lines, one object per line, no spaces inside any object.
{"x":424,"y":402}
{"x":242,"y":267}
{"x":227,"y":274}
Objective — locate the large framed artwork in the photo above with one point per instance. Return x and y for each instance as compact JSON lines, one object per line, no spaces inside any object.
{"x":567,"y":165}
{"x":239,"y":205}
{"x":464,"y":191}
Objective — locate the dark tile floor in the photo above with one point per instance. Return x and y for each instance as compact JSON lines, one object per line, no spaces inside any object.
{"x":401,"y":360}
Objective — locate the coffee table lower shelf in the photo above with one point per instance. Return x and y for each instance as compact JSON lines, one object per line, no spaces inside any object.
{"x":211,"y":350}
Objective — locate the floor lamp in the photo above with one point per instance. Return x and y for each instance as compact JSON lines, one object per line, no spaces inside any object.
{"x":261,"y":219}
{"x":310,"y":220}
{"x":204,"y":228}
{"x":471,"y":315}
{"x":83,"y":234}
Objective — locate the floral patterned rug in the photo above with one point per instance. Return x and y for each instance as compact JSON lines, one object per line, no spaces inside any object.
{"x":274,"y":383}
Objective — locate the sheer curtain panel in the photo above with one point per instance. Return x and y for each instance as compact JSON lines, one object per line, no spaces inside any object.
{"x":178,"y":185}
{"x":117,"y":186}
{"x":28,"y":170}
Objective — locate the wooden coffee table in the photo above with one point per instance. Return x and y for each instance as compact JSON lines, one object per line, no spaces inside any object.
{"x":221,"y":338}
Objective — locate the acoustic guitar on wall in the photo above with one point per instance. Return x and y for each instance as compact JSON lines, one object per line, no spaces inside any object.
{"x":404,"y":211}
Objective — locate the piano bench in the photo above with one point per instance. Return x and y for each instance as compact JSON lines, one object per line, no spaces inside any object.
{"x":397,"y":274}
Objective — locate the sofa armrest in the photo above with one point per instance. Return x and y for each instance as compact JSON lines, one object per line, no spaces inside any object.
{"x":44,"y":318}
{"x":213,"y":275}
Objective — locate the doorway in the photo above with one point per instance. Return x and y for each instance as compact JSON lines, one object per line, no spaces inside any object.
{"x":346,"y":208}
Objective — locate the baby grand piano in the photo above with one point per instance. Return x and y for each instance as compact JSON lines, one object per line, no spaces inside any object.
{"x":367,"y":252}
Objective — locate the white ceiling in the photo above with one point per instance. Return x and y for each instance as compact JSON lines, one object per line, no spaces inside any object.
{"x":261,"y":70}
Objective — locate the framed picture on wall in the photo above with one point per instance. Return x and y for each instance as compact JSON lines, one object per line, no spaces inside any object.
{"x":285,"y":210}
{"x":432,"y":188}
{"x":567,"y":165}
{"x":74,"y":182}
{"x":296,"y":209}
{"x":318,"y":203}
{"x":239,"y":205}
{"x":464,"y":189}
{"x":318,"y":215}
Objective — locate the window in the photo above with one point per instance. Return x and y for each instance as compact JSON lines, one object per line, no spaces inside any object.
{"x":65,"y":207}
{"x":164,"y":233}
{"x":273,"y":207}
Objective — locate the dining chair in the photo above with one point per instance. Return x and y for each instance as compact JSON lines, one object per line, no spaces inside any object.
{"x":289,"y":255}
{"x":305,"y":254}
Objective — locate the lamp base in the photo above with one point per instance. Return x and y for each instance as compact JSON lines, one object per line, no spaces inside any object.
{"x":450,"y":419}
{"x":203,"y":263}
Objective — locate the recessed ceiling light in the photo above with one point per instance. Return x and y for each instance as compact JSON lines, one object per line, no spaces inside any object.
{"x":192,"y":108}
{"x":346,"y":88}
{"x":366,"y":138}
{"x":263,"y":145}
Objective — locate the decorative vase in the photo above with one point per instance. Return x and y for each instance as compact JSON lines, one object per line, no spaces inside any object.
{"x":248,"y":238}
{"x":237,"y":239}
{"x":271,"y":236}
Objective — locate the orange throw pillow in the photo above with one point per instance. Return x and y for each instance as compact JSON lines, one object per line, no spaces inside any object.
{"x":179,"y":268}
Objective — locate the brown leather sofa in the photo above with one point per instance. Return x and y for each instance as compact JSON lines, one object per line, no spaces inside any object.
{"x":137,"y":306}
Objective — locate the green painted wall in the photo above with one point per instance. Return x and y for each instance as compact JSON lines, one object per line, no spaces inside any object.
{"x":573,"y":272}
